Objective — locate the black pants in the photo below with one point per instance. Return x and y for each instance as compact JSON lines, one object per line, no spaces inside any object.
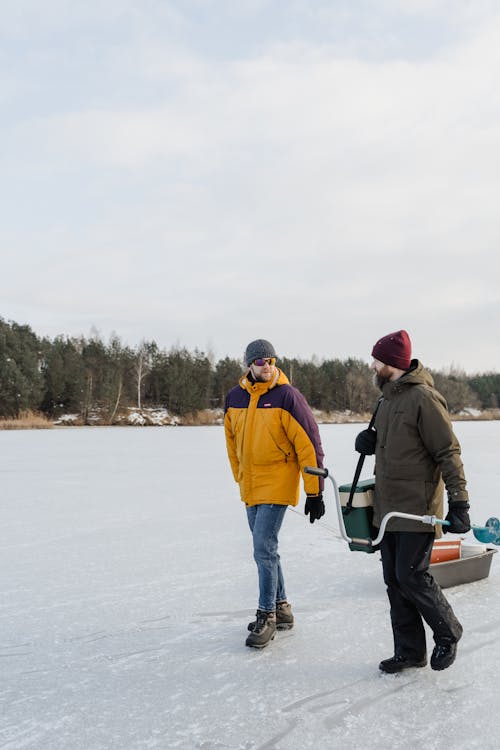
{"x":413,"y":593}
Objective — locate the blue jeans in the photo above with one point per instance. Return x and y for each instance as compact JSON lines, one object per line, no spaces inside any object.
{"x":265,"y":522}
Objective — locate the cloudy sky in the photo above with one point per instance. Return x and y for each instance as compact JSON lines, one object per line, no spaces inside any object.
{"x":206,"y":172}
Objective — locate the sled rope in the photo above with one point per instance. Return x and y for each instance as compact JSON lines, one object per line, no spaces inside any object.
{"x":319,"y":523}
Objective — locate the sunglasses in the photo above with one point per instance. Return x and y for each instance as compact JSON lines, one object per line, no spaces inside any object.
{"x":265,"y":361}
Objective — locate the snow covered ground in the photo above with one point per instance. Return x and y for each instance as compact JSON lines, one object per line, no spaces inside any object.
{"x":127,"y":582}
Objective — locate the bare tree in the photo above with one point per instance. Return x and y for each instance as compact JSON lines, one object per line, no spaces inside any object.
{"x":142,"y":368}
{"x":118,"y":397}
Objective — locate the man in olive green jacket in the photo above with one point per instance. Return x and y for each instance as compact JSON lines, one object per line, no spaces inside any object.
{"x":416,"y":455}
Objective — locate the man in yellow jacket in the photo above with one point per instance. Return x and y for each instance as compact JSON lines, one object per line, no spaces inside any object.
{"x":271,"y":435}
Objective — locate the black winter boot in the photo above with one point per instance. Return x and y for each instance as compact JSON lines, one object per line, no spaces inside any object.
{"x":264,"y":630}
{"x":284,"y":617}
{"x":397,"y":663}
{"x":444,"y":654}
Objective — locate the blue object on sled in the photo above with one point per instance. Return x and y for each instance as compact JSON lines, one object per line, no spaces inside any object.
{"x":489,"y":533}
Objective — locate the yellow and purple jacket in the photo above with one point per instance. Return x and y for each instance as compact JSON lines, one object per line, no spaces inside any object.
{"x":271,"y":435}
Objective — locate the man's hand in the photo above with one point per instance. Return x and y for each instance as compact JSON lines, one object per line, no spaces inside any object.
{"x":365,"y":442}
{"x":315,"y":507}
{"x":458,"y":516}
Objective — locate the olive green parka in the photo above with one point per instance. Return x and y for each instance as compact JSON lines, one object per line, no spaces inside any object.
{"x":417,"y":452}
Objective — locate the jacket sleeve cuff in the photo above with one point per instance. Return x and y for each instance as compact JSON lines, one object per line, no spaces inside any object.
{"x":458,"y":496}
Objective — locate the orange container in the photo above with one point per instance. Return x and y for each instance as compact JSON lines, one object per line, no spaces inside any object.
{"x":445,"y":551}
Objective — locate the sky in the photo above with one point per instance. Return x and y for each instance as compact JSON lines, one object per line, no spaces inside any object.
{"x":315,"y":172}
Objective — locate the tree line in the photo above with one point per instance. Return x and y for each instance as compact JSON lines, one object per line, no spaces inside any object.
{"x":81,"y":375}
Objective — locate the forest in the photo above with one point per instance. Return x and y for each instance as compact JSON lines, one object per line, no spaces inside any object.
{"x":83,"y":375}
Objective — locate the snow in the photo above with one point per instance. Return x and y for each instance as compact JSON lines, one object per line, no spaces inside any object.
{"x":156,"y":417}
{"x":470,"y":412}
{"x":127,"y":582}
{"x":67,"y":419}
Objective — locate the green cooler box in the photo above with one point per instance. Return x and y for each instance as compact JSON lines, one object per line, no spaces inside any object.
{"x":359,"y":521}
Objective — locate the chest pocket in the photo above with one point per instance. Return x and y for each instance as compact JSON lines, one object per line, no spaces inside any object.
{"x":271,"y":444}
{"x":393,"y":423}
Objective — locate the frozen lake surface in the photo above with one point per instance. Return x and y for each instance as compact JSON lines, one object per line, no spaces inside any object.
{"x":127,"y":582}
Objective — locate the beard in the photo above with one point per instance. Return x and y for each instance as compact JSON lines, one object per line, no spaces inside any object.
{"x":379,"y":381}
{"x":381,"y":378}
{"x":261,"y":377}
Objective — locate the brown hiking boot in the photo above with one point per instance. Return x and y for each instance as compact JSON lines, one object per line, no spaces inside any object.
{"x":264,"y":630}
{"x":284,"y":617}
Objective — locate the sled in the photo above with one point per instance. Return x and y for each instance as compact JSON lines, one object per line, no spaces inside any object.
{"x":452,"y":561}
{"x":464,"y":563}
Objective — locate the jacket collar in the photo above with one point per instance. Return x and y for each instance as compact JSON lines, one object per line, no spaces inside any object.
{"x":248,"y":384}
{"x":415,"y":375}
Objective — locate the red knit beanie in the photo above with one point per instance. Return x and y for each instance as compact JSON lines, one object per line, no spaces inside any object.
{"x":394,"y":350}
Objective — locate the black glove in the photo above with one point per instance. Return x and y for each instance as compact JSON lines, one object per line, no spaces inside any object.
{"x":458,"y":516}
{"x":315,"y":507}
{"x":365,"y":442}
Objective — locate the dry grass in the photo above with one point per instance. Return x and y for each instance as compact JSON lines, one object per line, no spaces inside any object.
{"x":203,"y":417}
{"x":30,"y":420}
{"x":340,"y":417}
{"x":27,"y":420}
{"x":488,"y":415}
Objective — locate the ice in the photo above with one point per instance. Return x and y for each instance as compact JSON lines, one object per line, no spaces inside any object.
{"x":127,"y":582}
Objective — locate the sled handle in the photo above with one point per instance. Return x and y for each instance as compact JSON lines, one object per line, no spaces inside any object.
{"x":316,"y":470}
{"x":432,"y":520}
{"x":487,"y":534}
{"x":320,"y":472}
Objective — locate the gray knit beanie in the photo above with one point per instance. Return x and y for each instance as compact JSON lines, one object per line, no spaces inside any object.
{"x":258,"y":349}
